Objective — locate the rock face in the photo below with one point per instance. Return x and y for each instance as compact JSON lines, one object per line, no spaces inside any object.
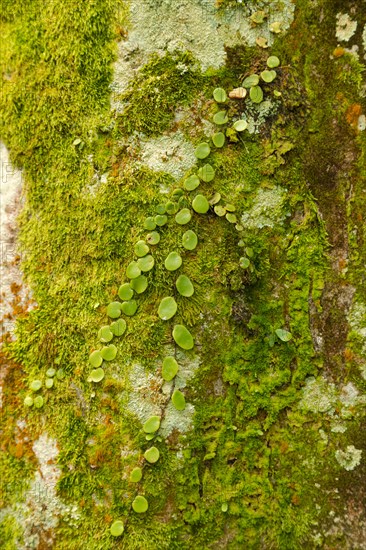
{"x":191,"y":373}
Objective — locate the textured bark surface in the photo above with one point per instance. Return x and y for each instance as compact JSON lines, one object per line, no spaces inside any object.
{"x":255,"y":439}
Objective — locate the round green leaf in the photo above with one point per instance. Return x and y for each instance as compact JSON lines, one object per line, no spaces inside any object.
{"x":139,"y":284}
{"x":250,"y":81}
{"x":149,"y":437}
{"x":149,"y":224}
{"x":191,"y":183}
{"x":219,"y":210}
{"x":184,"y":216}
{"x":50,"y":372}
{"x":273,"y":62}
{"x":173,"y":261}
{"x":167,"y":308}
{"x":202,"y":151}
{"x":218,"y":139}
{"x":206,"y":173}
{"x":231,"y":217}
{"x":283,"y":334}
{"x":160,"y":209}
{"x":96,"y":375}
{"x":133,"y":270}
{"x":161,"y":219}
{"x":189,"y":240}
{"x":220,"y":118}
{"x":230,"y":207}
{"x":146,"y":263}
{"x":105,"y":334}
{"x":200,"y":204}
{"x":136,"y":475}
{"x":125,"y":292}
{"x":95,"y":359}
{"x":119,"y":327}
{"x":153,"y":238}
{"x":49,"y":383}
{"x":151,"y":425}
{"x":152,"y":455}
{"x":129,"y":308}
{"x":219,"y":95}
{"x":240,"y":125}
{"x":171,"y":207}
{"x":268,"y":76}
{"x":224,"y":507}
{"x":170,"y":368}
{"x":184,"y":286}
{"x":256,"y":94}
{"x":117,"y":528}
{"x":177,"y":193}
{"x":140,"y":504}
{"x":141,"y":249}
{"x":38,"y":401}
{"x":35,"y":385}
{"x":244,"y":262}
{"x":178,"y":400}
{"x":114,"y":310}
{"x":109,"y":352}
{"x":60,"y":374}
{"x":277,"y":93}
{"x":183,"y":337}
{"x":28,"y":401}
{"x":215,"y":199}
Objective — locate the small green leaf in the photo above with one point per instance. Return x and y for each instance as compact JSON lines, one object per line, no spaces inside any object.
{"x":119,"y":327}
{"x":273,"y":62}
{"x":117,"y":528}
{"x":215,"y":199}
{"x":139,"y":284}
{"x":224,"y":507}
{"x":38,"y":401}
{"x":49,"y":383}
{"x":95,"y":359}
{"x":161,"y":219}
{"x":219,"y":210}
{"x":258,"y":17}
{"x":184,"y":286}
{"x":60,"y":374}
{"x":129,"y":308}
{"x":244,"y":262}
{"x":200,"y":204}
{"x":218,"y":139}
{"x":28,"y":401}
{"x":220,"y":118}
{"x":153,"y":238}
{"x":206,"y":173}
{"x":275,"y":27}
{"x":256,"y":94}
{"x":160,"y":209}
{"x":171,"y":207}
{"x":114,"y":310}
{"x":151,"y":425}
{"x":146,"y":263}
{"x":96,"y":375}
{"x":133,"y":270}
{"x":167,"y":308}
{"x":125,"y":292}
{"x":178,"y":400}
{"x":191,"y":183}
{"x":140,"y":504}
{"x":105,"y":334}
{"x":173,"y":261}
{"x":189,"y":240}
{"x":183,"y":337}
{"x":202,"y":151}
{"x":136,"y":475}
{"x":231,"y":217}
{"x":141,"y":249}
{"x":240,"y":125}
{"x":50,"y":372}
{"x":170,"y":368}
{"x":149,"y":224}
{"x":35,"y":385}
{"x":219,"y":95}
{"x":230,"y":207}
{"x":268,"y":76}
{"x":152,"y":455}
{"x":184,"y":216}
{"x":109,"y":352}
{"x":283,"y":334}
{"x":251,"y":80}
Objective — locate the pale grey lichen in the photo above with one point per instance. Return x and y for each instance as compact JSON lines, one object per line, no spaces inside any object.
{"x":171,"y":153}
{"x":267,"y":209}
{"x":350,"y":458}
{"x":357,"y":322}
{"x":319,"y":396}
{"x":364,"y":40}
{"x":345,"y":27}
{"x":257,"y":114}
